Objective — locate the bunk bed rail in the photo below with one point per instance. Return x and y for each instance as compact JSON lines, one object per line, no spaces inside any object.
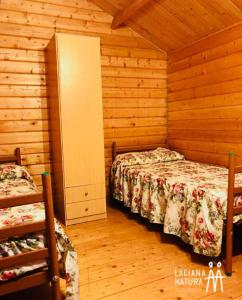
{"x":48,"y":253}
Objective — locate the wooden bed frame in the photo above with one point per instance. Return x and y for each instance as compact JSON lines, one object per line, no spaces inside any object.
{"x":15,"y":158}
{"x":50,"y":274}
{"x":232,"y":191}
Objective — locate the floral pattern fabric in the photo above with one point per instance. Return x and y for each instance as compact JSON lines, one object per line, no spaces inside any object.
{"x":147,"y":157}
{"x":9,"y":171}
{"x":16,"y":181}
{"x":189,"y":198}
{"x":138,"y":158}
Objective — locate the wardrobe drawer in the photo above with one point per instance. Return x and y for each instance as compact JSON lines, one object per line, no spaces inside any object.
{"x":85,"y":208}
{"x":85,"y":192}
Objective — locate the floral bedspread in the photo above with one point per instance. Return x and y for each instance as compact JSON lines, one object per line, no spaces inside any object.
{"x":16,"y":181}
{"x":189,"y":198}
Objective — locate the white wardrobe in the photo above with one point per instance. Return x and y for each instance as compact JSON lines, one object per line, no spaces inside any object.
{"x":75,"y":97}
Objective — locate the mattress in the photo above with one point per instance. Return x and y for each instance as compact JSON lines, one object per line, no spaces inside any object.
{"x":16,"y":181}
{"x":189,"y":198}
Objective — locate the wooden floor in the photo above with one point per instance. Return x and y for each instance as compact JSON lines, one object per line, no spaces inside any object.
{"x":124,"y":258}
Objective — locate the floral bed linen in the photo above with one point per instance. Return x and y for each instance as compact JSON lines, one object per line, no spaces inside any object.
{"x":189,"y":198}
{"x":138,"y":158}
{"x":16,"y":181}
{"x":146,"y":157}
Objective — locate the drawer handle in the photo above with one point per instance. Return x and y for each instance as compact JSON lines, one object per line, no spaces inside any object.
{"x":86,"y":209}
{"x":86,"y":194}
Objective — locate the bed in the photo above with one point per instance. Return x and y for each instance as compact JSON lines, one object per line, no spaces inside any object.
{"x":15,"y":182}
{"x":193,"y":200}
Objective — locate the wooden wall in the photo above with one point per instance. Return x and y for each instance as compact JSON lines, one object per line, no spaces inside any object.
{"x":133,"y":77}
{"x":205,"y":97}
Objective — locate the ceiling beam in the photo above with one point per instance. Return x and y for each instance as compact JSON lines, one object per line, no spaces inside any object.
{"x":128,"y":12}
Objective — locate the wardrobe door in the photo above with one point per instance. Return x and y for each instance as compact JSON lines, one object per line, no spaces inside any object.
{"x":81,"y":109}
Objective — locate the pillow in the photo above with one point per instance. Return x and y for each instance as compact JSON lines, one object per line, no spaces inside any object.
{"x":147,"y":157}
{"x":12,"y":172}
{"x":169,"y":155}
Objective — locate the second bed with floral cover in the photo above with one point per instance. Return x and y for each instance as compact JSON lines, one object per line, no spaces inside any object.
{"x":15,"y":181}
{"x":189,"y":198}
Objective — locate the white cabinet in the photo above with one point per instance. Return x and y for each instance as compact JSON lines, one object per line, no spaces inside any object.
{"x":75,"y":96}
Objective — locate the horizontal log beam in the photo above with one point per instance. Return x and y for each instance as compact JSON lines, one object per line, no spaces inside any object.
{"x":128,"y":12}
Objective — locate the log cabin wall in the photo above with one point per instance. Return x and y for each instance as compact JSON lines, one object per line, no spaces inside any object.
{"x":133,"y":78}
{"x":205,"y":98}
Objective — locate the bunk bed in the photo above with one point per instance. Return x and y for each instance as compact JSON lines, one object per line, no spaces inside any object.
{"x":34,"y":249}
{"x":193,"y":200}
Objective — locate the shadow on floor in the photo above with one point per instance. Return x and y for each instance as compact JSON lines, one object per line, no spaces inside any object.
{"x":171,"y":239}
{"x":42,"y":292}
{"x":38,"y":293}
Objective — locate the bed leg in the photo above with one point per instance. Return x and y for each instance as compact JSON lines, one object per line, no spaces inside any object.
{"x":229,"y":253}
{"x":230,"y":214}
{"x":55,"y":289}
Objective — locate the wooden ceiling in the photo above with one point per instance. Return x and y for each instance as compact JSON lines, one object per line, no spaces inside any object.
{"x":173,"y":24}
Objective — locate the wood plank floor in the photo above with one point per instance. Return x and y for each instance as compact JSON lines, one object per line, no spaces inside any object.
{"x":124,"y":258}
